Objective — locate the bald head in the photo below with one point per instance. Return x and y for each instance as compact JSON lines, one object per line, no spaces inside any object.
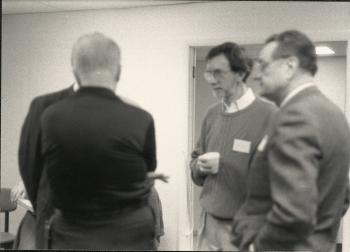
{"x":94,"y":57}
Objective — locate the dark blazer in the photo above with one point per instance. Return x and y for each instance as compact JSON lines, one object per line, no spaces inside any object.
{"x":30,"y":161}
{"x":94,"y":138}
{"x":298,"y":180}
{"x":35,"y":178}
{"x":97,"y":151}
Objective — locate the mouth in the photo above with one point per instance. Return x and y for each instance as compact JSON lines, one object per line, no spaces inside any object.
{"x":217,"y":92}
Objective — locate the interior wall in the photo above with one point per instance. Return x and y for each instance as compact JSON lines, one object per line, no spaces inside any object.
{"x":155,"y":57}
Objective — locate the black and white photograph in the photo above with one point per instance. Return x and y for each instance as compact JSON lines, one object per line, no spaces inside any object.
{"x":147,"y":125}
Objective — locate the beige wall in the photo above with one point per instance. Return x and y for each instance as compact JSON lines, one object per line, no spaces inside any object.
{"x":331,"y":79}
{"x":155,"y":56}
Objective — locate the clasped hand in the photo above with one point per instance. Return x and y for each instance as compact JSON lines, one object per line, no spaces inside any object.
{"x":160,"y":176}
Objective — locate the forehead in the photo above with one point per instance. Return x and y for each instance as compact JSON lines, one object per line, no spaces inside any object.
{"x":218,"y":62}
{"x":267,"y":52}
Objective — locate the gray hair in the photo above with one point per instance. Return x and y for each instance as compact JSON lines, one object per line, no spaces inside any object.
{"x":95,"y":52}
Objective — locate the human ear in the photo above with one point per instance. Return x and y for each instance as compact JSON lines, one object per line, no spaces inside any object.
{"x":292,"y":66}
{"x":240,"y":76}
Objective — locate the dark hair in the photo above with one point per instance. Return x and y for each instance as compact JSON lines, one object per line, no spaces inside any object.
{"x":236,"y":56}
{"x":295,"y":43}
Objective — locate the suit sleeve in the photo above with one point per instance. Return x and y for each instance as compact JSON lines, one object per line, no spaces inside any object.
{"x":293,"y":156}
{"x":29,"y":159}
{"x":150,"y":148}
{"x":197,"y":176}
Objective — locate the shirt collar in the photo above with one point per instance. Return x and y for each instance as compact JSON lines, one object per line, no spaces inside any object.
{"x":97,"y":90}
{"x":295,"y":91}
{"x":244,"y":101}
{"x":75,"y":86}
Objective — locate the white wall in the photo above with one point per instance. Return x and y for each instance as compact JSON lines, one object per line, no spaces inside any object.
{"x":155,"y":56}
{"x":331,"y":79}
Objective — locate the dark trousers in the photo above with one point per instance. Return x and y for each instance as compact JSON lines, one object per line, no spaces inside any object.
{"x":131,"y":229}
{"x":45,"y":210}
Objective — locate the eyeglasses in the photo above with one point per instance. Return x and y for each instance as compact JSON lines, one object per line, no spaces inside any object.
{"x":215,"y":75}
{"x":262,"y":65}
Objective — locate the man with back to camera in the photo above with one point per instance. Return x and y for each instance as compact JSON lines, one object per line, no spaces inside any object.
{"x":298,"y":181}
{"x":229,"y":135}
{"x":30,"y":233}
{"x":97,"y":150}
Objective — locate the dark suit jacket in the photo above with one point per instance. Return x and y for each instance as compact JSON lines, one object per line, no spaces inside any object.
{"x":297,"y":183}
{"x":97,"y":151}
{"x":35,"y":178}
{"x":30,"y":160}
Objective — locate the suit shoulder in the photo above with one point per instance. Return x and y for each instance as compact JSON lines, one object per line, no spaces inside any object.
{"x":312,"y":110}
{"x":136,"y":110}
{"x":48,"y":99}
{"x":314,"y":105}
{"x":49,"y":102}
{"x":266,"y":105}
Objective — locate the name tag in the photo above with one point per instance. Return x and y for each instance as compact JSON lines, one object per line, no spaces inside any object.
{"x":262,"y":144}
{"x":240,"y":145}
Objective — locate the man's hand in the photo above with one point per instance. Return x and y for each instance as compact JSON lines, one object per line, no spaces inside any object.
{"x":208,"y":163}
{"x":204,"y":167}
{"x":18,"y":191}
{"x":160,"y":176}
{"x":251,"y":248}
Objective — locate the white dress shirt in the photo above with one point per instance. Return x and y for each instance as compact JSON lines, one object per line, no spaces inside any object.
{"x":244,"y":101}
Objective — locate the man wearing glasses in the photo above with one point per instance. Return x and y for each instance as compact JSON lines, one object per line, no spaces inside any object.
{"x":297,"y":184}
{"x":230,"y":132}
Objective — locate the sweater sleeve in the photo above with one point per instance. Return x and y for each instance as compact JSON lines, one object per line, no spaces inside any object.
{"x":150,"y":148}
{"x":197,"y":176}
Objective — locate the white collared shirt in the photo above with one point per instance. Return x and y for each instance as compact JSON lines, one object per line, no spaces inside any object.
{"x":75,"y":87}
{"x":241,"y":103}
{"x":295,"y":91}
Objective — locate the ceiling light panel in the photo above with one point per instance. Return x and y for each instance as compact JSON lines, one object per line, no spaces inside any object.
{"x":324,"y":50}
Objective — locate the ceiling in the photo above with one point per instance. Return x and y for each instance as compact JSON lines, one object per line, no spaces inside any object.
{"x":339,"y":48}
{"x":40,"y":6}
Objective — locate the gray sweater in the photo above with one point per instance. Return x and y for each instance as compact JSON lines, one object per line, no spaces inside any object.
{"x":235,"y":136}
